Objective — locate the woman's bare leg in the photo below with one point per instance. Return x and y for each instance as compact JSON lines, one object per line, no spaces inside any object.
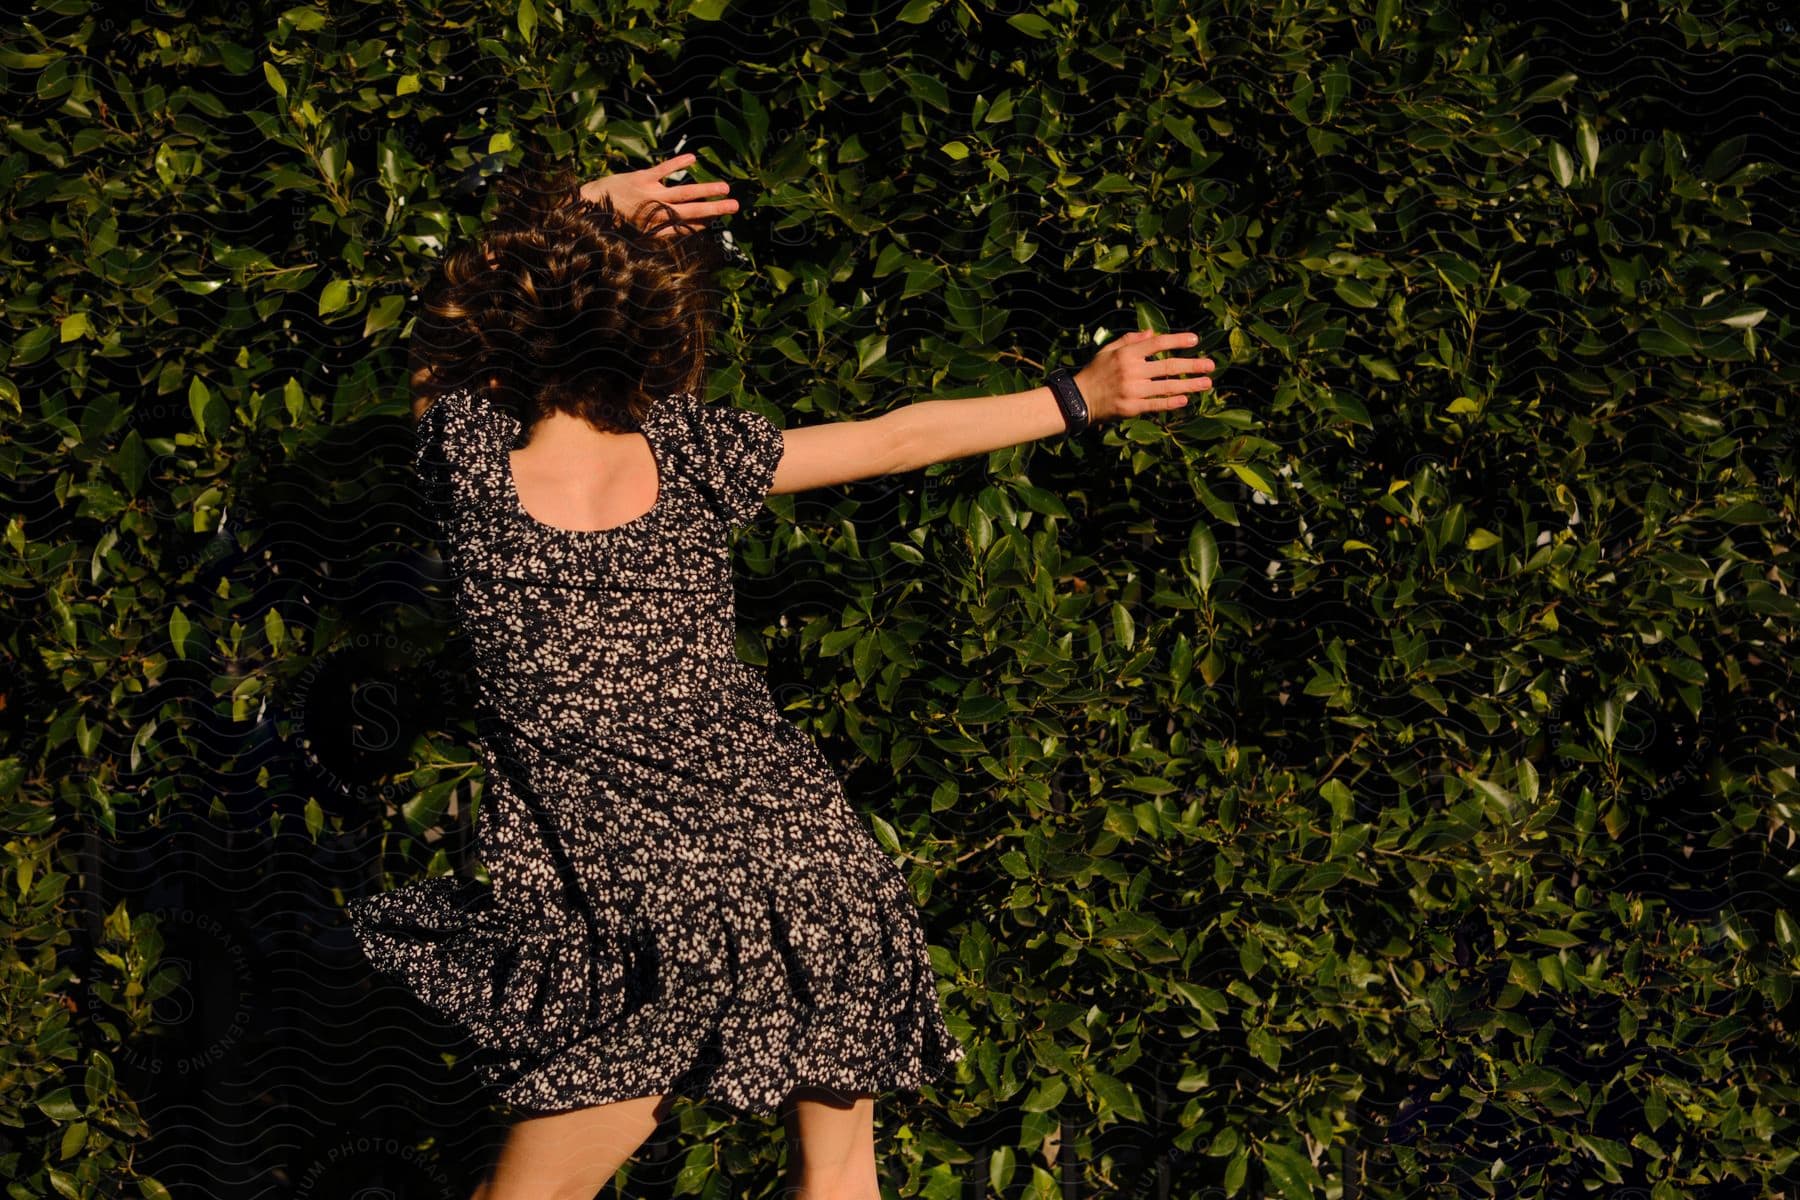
{"x":571,"y":1155}
{"x":862,"y":1180}
{"x":831,"y":1145}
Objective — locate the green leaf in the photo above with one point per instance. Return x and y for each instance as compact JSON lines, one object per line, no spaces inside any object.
{"x":74,"y":326}
{"x":1149,"y":316}
{"x":884,"y":833}
{"x":1045,"y":1096}
{"x":1561,"y":165}
{"x":1002,"y":1163}
{"x":1199,"y":95}
{"x":1481,"y":539}
{"x":1384,"y":19}
{"x":527,"y":21}
{"x":1553,"y":89}
{"x":1225,"y":1143}
{"x":1337,"y":793}
{"x":1588,"y":141}
{"x":383,"y":313}
{"x":839,"y":640}
{"x":33,"y":345}
{"x":1265,"y":1046}
{"x":200,"y":405}
{"x":1662,"y":344}
{"x":59,"y":1105}
{"x":304,"y":19}
{"x":275,"y":79}
{"x":1355,"y":293}
{"x":1116,"y":1096}
{"x":1031,"y":25}
{"x":334,"y":296}
{"x":1124,"y":628}
{"x":178,"y":631}
{"x":708,"y":10}
{"x":1610,"y":711}
{"x":1184,"y":131}
{"x":917,"y":12}
{"x":1380,"y":368}
{"x":870,"y":350}
{"x":1290,"y":1170}
{"x":1235,"y":1170}
{"x":1749,"y":318}
{"x":1559,"y":938}
{"x":1527,"y":780}
{"x":1203,"y":555}
{"x":982,"y":710}
{"x":1248,"y":474}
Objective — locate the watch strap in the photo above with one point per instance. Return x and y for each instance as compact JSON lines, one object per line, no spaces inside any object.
{"x":1070,"y":400}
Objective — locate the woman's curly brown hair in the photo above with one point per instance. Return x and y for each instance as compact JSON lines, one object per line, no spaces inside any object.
{"x":563,"y":304}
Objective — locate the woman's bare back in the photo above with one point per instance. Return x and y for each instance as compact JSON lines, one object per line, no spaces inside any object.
{"x":573,"y":476}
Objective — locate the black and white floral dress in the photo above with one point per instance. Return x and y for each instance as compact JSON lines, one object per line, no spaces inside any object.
{"x":682,"y":899}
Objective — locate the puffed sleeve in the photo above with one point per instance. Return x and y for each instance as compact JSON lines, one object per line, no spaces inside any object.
{"x":463,"y":430}
{"x":456,"y":454}
{"x":737,"y":451}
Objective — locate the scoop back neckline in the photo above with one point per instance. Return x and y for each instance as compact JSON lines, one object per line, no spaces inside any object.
{"x":648,"y":517}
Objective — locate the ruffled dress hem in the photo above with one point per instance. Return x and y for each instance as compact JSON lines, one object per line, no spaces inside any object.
{"x":565,"y":1014}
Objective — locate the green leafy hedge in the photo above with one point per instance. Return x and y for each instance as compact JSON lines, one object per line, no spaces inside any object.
{"x":1377,"y":777}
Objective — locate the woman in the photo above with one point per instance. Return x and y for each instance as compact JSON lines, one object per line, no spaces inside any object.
{"x":681,"y":898}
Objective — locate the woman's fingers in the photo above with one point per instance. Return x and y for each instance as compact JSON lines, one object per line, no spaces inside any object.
{"x":1145,"y":342}
{"x":1175,"y":387}
{"x":1156,"y":343}
{"x":1178,"y":366}
{"x":1165,"y":383}
{"x":1161,"y":396}
{"x":693,"y":215}
{"x":671,"y":165}
{"x":699,"y":212}
{"x":1129,"y":338}
{"x":676,"y":193}
{"x":1173,"y":376}
{"x":1132,"y":382}
{"x":695,"y":209}
{"x":683,"y":192}
{"x":716,"y":208}
{"x":693,"y":201}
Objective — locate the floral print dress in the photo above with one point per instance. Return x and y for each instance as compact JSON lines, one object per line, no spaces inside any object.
{"x":682,"y":899}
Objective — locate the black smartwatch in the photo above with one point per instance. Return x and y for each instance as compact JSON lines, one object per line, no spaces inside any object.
{"x":1069,"y":399}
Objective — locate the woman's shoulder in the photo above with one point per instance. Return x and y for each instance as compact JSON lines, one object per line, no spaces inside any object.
{"x":730,"y":450}
{"x":715,"y":415}
{"x":462,"y":419}
{"x":716,"y":429}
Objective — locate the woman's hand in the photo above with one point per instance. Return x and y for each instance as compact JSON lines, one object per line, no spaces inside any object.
{"x":1122,"y":381}
{"x":632,"y":191}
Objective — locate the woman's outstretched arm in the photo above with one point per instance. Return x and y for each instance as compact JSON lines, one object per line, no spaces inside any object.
{"x":1121,"y":381}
